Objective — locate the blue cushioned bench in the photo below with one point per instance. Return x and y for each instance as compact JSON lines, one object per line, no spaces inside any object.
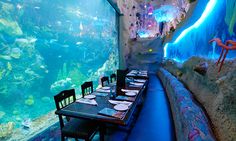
{"x":154,"y":121}
{"x":191,"y":123}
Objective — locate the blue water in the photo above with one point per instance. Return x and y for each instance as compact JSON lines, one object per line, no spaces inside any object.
{"x":48,"y":46}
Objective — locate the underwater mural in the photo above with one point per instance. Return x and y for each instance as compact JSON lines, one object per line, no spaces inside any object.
{"x":202,"y":56}
{"x":47,"y":47}
{"x":194,"y":39}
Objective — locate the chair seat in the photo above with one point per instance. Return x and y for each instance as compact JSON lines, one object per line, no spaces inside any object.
{"x":79,"y":128}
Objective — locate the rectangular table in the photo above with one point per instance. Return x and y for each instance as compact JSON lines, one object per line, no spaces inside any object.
{"x":90,"y":112}
{"x":80,"y":110}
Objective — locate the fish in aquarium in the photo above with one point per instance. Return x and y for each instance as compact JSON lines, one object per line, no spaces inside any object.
{"x":39,"y":49}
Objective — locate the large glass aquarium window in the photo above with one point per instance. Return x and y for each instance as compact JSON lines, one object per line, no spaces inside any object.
{"x":48,"y":46}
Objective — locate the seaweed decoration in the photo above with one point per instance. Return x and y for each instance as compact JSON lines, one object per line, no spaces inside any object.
{"x":229,"y":45}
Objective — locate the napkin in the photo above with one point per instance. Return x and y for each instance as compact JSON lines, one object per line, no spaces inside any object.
{"x":126,"y":90}
{"x":120,"y":102}
{"x":131,"y":74}
{"x":123,"y":98}
{"x":103,"y":91}
{"x":137,"y":84}
{"x":87,"y":101}
{"x":100,"y":94}
{"x":112,"y":113}
{"x":140,"y":80}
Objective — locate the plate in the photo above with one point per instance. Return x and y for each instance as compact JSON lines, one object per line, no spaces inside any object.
{"x":105,"y":88}
{"x":121,"y":107}
{"x":89,"y":96}
{"x":130,"y":93}
{"x":113,"y":101}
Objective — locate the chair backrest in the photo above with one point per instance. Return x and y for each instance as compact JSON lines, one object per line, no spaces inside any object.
{"x":105,"y":81}
{"x":64,"y":98}
{"x":121,"y":74}
{"x":112,"y":77}
{"x":87,"y":88}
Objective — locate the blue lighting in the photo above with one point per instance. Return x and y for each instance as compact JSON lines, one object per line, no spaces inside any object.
{"x":165,"y":49}
{"x":209,"y":8}
{"x":165,"y":13}
{"x":143,"y":34}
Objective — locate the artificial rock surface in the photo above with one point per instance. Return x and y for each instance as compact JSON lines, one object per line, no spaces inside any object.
{"x":215,"y":91}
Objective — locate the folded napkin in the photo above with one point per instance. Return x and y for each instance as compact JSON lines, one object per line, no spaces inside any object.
{"x":120,"y":102}
{"x":102,"y":91}
{"x":134,"y":86}
{"x":133,"y":71}
{"x":141,"y":74}
{"x":100,"y":94}
{"x":131,"y":74}
{"x":112,"y":113}
{"x":123,"y":98}
{"x":143,"y":71}
{"x":126,"y":90}
{"x":140,"y":80}
{"x":87,"y":101}
{"x":137,"y":84}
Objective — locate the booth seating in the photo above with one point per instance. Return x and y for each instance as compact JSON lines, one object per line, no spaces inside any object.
{"x":154,"y":121}
{"x":191,"y":123}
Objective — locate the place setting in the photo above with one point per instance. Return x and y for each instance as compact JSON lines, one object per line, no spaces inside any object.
{"x":103,"y":89}
{"x":118,"y":111}
{"x":136,"y":84}
{"x":130,"y":93}
{"x":88,"y":99}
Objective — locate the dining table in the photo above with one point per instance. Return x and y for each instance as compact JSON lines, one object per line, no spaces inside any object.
{"x":103,"y":100}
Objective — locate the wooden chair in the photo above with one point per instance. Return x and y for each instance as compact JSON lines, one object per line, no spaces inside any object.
{"x":112,"y":78}
{"x":72,"y":127}
{"x":87,"y":88}
{"x":105,"y":81}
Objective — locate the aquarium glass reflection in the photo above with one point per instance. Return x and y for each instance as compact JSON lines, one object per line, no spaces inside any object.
{"x":48,"y":46}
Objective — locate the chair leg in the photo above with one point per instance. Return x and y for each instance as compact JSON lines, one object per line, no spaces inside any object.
{"x":102,"y":132}
{"x":62,"y":138}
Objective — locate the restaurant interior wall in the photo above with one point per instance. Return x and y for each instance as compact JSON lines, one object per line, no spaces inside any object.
{"x":210,"y":19}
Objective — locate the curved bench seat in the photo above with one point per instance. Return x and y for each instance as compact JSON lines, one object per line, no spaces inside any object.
{"x":191,"y":123}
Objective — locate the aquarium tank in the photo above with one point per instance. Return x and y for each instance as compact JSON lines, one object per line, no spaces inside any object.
{"x":49,"y":46}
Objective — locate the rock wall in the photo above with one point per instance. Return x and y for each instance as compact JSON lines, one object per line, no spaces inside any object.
{"x":136,"y":53}
{"x":215,"y":91}
{"x":191,"y":123}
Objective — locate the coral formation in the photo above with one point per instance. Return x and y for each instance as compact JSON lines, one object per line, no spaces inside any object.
{"x":15,"y":53}
{"x":30,"y":100}
{"x":6,"y":130}
{"x":10,"y":27}
{"x":225,"y":49}
{"x":38,"y":53}
{"x":60,"y":85}
{"x":2,"y":114}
